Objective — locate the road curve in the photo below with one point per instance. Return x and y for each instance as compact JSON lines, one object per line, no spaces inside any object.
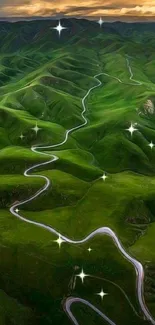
{"x":100,"y":231}
{"x":72,"y":300}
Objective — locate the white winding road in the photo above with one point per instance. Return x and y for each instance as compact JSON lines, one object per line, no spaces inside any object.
{"x":103,"y":230}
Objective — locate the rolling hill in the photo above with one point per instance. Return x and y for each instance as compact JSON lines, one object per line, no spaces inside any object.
{"x":43,"y":79}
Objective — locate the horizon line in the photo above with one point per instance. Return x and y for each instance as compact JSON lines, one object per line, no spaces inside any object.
{"x":124,"y":19}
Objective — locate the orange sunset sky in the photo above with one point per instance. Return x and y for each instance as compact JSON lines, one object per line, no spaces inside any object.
{"x":127,"y":10}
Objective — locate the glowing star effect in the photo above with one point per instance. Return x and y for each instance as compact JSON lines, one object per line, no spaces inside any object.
{"x":100,"y":22}
{"x":22,"y":136}
{"x":82,"y":275}
{"x":102,"y":294}
{"x":151,"y":145}
{"x":104,"y":177}
{"x":89,"y":249}
{"x":59,"y":241}
{"x":36,"y":129}
{"x":59,"y":28}
{"x":17,"y":210}
{"x":131,"y":129}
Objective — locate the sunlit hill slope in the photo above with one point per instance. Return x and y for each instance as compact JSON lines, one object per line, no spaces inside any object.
{"x":43,"y":78}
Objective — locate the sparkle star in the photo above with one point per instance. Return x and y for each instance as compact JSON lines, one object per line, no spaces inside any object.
{"x":36,"y":129}
{"x":82,"y":275}
{"x":89,"y":249}
{"x":17,"y":210}
{"x":131,"y":129}
{"x":104,"y":177}
{"x":151,"y":145}
{"x":102,"y":294}
{"x":100,"y":22}
{"x":22,"y":136}
{"x":59,"y":241}
{"x":59,"y":28}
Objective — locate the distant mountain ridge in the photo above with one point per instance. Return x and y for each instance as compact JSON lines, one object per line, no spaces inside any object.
{"x":123,"y":28}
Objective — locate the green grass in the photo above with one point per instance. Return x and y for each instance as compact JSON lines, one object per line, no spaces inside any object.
{"x":106,"y":204}
{"x":43,"y":79}
{"x":11,"y":312}
{"x":38,"y":257}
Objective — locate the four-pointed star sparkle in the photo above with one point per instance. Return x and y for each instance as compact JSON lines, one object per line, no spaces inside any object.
{"x":102,"y":294}
{"x":17,"y":210}
{"x":100,"y":22}
{"x":104,"y":177}
{"x":132,"y":129}
{"x":22,"y":136}
{"x":59,"y":241}
{"x":82,"y":275}
{"x":59,"y":28}
{"x":151,"y":145}
{"x":89,"y":249}
{"x":36,"y":129}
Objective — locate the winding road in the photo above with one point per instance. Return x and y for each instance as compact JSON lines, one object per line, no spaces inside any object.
{"x":103,"y":230}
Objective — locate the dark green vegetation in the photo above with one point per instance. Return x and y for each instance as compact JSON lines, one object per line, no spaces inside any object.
{"x":43,"y":78}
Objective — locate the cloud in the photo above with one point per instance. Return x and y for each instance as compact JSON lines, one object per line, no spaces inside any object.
{"x":85,"y":8}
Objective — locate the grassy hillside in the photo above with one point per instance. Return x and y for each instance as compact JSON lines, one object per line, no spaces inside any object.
{"x":43,"y":79}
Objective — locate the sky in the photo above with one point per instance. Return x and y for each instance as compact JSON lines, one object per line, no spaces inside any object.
{"x":107,"y":9}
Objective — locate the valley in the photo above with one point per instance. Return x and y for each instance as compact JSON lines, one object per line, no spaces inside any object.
{"x":43,"y":80}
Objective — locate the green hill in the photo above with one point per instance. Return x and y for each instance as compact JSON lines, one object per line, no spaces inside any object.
{"x":43,"y":79}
